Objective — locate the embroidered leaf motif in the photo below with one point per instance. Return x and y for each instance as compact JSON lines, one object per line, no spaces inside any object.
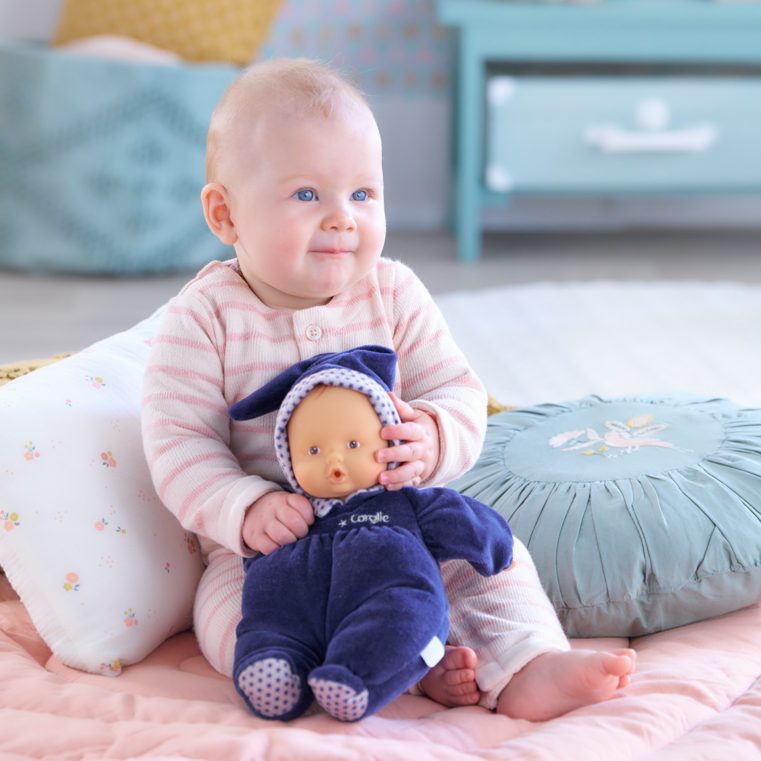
{"x":614,"y":425}
{"x":638,"y":421}
{"x":651,"y":429}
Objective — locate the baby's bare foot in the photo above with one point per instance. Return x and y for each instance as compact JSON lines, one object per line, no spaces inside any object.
{"x":452,"y":681}
{"x":555,"y":683}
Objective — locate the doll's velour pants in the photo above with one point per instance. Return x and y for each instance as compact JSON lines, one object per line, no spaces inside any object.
{"x":506,"y":619}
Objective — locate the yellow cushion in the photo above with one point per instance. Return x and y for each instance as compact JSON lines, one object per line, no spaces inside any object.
{"x":197,"y":30}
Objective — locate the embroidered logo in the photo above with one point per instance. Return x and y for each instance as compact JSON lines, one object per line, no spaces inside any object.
{"x":378,"y":517}
{"x":621,"y":438}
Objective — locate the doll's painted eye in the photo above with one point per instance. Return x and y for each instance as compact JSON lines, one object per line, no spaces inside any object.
{"x":305,"y":195}
{"x":354,"y":445}
{"x":314,"y":450}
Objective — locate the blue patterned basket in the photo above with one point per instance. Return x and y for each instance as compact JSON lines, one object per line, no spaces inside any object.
{"x":102,"y":162}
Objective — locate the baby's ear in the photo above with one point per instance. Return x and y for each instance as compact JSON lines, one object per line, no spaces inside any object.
{"x":216,"y":209}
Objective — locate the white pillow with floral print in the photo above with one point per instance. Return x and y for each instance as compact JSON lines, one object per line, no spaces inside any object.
{"x":105,"y":570}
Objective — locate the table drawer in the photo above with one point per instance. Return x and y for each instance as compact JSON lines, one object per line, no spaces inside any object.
{"x":665,"y":134}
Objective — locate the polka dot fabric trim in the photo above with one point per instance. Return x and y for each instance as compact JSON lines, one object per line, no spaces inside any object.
{"x":342,"y":378}
{"x":341,"y":702}
{"x":271,"y":687}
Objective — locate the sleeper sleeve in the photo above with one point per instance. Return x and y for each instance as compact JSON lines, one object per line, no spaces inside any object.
{"x":186,"y":428}
{"x":435,"y":377}
{"x":458,"y":527}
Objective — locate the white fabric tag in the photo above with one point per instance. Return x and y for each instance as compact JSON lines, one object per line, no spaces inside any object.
{"x":433,"y":652}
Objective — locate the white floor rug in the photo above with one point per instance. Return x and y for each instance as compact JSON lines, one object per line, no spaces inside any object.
{"x":550,"y":342}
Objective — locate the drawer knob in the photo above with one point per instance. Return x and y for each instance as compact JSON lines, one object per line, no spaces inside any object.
{"x":652,"y":116}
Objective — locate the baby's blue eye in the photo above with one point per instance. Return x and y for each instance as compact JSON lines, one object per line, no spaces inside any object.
{"x":314,"y":450}
{"x":305,"y":195}
{"x":359,"y":195}
{"x":354,"y":445}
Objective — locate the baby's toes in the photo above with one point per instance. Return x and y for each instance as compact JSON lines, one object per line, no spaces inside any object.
{"x":458,"y":658}
{"x":458,"y":677}
{"x":632,"y":655}
{"x":619,"y":663}
{"x":463,"y":688}
{"x":468,"y":699}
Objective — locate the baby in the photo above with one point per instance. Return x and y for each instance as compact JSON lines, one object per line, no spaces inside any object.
{"x":295,"y":184}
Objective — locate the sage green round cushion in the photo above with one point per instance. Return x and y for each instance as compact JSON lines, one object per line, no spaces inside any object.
{"x":641,"y":513}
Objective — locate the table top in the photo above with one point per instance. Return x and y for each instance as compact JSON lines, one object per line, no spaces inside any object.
{"x":463,"y":12}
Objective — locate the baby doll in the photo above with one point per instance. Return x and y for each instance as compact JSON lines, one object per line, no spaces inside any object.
{"x":355,"y":613}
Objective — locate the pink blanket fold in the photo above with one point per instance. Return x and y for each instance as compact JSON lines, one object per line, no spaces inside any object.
{"x":696,"y":695}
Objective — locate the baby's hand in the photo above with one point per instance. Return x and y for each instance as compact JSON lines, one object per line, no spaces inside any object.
{"x":419,"y":453}
{"x":275,"y":519}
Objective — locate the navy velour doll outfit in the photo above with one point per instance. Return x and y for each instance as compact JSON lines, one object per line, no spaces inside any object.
{"x":356,"y":612}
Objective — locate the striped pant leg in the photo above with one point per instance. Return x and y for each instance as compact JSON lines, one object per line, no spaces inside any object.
{"x":217,"y":609}
{"x":507,"y":619}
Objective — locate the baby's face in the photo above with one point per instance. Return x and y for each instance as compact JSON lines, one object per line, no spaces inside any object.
{"x":333,"y":436}
{"x":306,"y":198}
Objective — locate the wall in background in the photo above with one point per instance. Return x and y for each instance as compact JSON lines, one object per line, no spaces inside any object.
{"x":29,"y":19}
{"x":404,"y":61}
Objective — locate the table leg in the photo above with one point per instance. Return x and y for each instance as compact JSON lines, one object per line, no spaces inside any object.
{"x":469,"y":149}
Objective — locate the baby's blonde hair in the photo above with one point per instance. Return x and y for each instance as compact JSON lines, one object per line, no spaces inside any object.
{"x":302,"y":85}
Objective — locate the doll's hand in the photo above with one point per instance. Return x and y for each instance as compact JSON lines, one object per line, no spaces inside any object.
{"x":419,"y":453}
{"x":275,"y":519}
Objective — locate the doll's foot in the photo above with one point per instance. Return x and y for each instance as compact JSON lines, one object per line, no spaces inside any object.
{"x":340,"y":692}
{"x":270,"y":687}
{"x":555,"y":683}
{"x":452,"y":681}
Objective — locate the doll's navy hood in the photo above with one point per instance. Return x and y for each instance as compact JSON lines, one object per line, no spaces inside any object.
{"x":368,"y":369}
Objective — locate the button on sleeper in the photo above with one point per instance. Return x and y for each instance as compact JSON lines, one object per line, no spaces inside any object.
{"x":314,"y":332}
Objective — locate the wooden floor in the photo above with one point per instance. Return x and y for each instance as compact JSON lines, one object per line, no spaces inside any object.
{"x":42,"y":315}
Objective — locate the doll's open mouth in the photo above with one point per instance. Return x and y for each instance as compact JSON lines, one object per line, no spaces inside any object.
{"x":337,"y":475}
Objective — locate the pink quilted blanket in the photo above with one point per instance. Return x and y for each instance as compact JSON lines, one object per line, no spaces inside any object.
{"x":696,"y":695}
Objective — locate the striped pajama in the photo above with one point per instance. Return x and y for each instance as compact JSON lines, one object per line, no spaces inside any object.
{"x":218,"y":343}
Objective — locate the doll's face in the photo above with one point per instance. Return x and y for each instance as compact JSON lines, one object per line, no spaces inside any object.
{"x":333,"y":435}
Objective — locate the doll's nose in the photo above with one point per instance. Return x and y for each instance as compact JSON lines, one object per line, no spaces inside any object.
{"x":336,"y":470}
{"x":337,"y":474}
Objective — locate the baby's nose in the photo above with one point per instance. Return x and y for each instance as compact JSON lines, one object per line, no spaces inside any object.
{"x":339,"y":219}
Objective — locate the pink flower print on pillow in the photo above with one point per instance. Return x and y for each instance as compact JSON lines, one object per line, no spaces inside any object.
{"x":111,"y":669}
{"x":11,"y":520}
{"x":108,"y":459}
{"x":101,"y":524}
{"x":96,"y":381}
{"x":31,"y":452}
{"x":191,"y":544}
{"x":130,"y":620}
{"x":71,"y":582}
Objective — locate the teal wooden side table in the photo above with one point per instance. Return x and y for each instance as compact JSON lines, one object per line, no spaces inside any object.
{"x":691,"y":125}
